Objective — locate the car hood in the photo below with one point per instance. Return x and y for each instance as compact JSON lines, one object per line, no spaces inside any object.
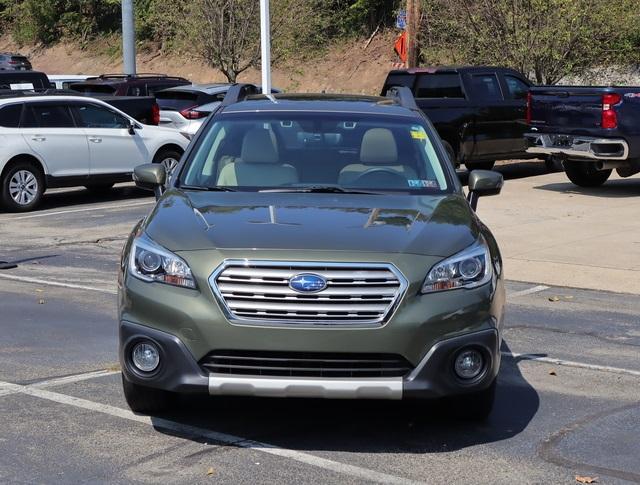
{"x":426,"y":225}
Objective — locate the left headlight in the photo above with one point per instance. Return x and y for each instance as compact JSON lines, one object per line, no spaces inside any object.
{"x":149,"y":261}
{"x":469,"y":268}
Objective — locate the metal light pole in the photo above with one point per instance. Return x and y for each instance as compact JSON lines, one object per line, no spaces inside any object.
{"x":265,"y":42}
{"x":128,"y":38}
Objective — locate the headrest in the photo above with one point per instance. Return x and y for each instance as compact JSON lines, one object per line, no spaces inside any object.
{"x":259,"y":146}
{"x":378,"y":146}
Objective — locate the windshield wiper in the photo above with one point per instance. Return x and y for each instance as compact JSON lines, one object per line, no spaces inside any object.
{"x":207,"y":189}
{"x":319,"y":189}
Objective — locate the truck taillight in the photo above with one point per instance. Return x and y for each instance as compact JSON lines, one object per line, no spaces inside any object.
{"x":528,"y":115}
{"x":191,"y":114}
{"x":155,"y":114}
{"x":609,"y":116}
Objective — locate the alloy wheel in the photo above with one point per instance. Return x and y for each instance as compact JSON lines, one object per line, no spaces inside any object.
{"x":23,"y":187}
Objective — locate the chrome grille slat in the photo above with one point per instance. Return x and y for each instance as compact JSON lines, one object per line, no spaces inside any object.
{"x":258,"y":292}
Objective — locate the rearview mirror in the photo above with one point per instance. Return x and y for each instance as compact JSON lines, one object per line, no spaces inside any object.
{"x":483,"y":183}
{"x":131,"y":128}
{"x":150,"y":176}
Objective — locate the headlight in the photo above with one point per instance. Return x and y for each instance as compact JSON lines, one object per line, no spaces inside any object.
{"x":151,"y":262}
{"x":467,"y":269}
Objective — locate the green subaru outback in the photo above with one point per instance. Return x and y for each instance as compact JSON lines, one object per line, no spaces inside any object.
{"x":313,"y":246}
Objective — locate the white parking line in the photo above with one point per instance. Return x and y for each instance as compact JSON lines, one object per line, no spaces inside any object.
{"x":122,"y":205}
{"x":213,"y":436}
{"x":37,"y":281}
{"x":571,"y":363}
{"x":61,"y":381}
{"x":528,"y":291}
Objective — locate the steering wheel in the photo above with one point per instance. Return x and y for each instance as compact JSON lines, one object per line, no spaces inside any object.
{"x":381,"y":178}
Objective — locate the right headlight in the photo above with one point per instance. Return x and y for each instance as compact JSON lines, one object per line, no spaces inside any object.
{"x":151,"y":262}
{"x":469,"y":268}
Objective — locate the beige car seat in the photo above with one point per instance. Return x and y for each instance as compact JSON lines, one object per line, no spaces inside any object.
{"x":259,"y":164}
{"x":377,"y":150}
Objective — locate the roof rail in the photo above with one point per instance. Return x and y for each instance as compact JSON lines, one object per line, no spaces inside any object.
{"x":239,"y":92}
{"x":125,"y":76}
{"x":403,"y":96}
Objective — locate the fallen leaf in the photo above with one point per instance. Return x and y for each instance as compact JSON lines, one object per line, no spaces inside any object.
{"x":552,"y":373}
{"x":581,"y":479}
{"x":554,"y":298}
{"x":211,"y":471}
{"x":40,"y":302}
{"x":568,"y":297}
{"x":38,"y":290}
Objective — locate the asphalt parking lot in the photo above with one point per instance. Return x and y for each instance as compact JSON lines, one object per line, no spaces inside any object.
{"x":568,"y":394}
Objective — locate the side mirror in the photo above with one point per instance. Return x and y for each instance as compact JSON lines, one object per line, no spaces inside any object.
{"x":150,"y":176}
{"x":131,"y":128}
{"x":483,"y":183}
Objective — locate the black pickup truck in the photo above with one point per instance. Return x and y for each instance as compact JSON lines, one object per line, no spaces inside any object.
{"x":13,"y":83}
{"x":479,"y":112}
{"x":594,"y":129}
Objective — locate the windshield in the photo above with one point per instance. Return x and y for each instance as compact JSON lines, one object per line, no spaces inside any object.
{"x":176,"y":100}
{"x":285,"y":151}
{"x":93,"y":89}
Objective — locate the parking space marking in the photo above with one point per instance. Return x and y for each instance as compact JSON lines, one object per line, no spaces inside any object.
{"x":571,"y":363}
{"x":528,"y":291}
{"x":227,"y":439}
{"x":37,"y":281}
{"x":83,"y":209}
{"x":60,"y":381}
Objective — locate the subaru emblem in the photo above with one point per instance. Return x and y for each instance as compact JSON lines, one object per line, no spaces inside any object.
{"x":307,"y":283}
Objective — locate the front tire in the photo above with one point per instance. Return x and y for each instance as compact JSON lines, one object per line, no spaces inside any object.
{"x":476,"y":406}
{"x":169,"y":158}
{"x":22,"y":187}
{"x":146,"y":400}
{"x":585,"y":174}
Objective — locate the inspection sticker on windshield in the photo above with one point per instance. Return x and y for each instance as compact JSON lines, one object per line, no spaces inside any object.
{"x":418,"y":134}
{"x":423,"y":183}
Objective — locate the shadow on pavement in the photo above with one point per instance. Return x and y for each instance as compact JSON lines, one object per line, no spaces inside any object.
{"x":612,"y":189}
{"x":365,"y":426}
{"x":64,"y":198}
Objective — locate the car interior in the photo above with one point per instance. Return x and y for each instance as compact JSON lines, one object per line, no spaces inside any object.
{"x":344,"y":153}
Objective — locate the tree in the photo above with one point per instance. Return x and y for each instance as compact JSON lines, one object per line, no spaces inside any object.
{"x":226,"y":33}
{"x":545,"y":39}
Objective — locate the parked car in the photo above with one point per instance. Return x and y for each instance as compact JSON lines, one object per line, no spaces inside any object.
{"x":24,"y":81}
{"x":63,"y":81}
{"x":178,"y":105}
{"x":196,"y":114}
{"x":313,"y":246}
{"x":142,"y":108}
{"x":64,"y":141}
{"x":594,"y":129}
{"x":10,"y":61}
{"x":128,"y":85}
{"x":479,"y":112}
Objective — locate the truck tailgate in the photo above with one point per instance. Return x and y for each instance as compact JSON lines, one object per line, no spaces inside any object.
{"x":559,"y":108}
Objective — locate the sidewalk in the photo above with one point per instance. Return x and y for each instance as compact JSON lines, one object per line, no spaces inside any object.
{"x":553,"y":232}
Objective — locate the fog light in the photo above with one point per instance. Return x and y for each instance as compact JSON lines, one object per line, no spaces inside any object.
{"x":145,"y":356}
{"x":469,"y":364}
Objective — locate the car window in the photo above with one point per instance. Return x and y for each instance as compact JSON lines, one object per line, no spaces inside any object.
{"x":486,"y":86}
{"x":93,"y":89}
{"x":47,"y":116}
{"x":176,"y":100}
{"x":439,"y":85}
{"x":92,"y":116}
{"x":518,"y":89}
{"x":10,"y":115}
{"x":153,"y":88}
{"x":136,"y":91}
{"x":261,"y":151}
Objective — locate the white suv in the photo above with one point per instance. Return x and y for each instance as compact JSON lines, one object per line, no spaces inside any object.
{"x":64,"y":141}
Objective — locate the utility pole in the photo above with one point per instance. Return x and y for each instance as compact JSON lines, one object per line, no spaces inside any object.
{"x":128,"y":38}
{"x":413,"y":21}
{"x":265,"y":43}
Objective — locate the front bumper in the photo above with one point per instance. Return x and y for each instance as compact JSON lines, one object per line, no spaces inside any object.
{"x":585,"y":147}
{"x":433,"y":377}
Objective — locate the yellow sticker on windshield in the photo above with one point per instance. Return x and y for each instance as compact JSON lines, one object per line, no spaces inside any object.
{"x":418,"y":135}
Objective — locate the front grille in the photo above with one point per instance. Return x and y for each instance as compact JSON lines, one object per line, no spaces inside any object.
{"x":259,"y":291}
{"x":305,"y":364}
